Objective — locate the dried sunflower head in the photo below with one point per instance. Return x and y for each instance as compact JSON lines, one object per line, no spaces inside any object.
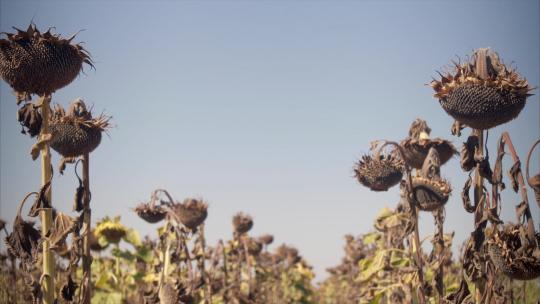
{"x":430,"y":191}
{"x":111,"y":229}
{"x":191,"y":212}
{"x":38,"y":63}
{"x":417,"y":145}
{"x":513,"y":255}
{"x":150,"y":212}
{"x":266,"y":239}
{"x":288,"y":254}
{"x":379,"y":172}
{"x":242,"y":223}
{"x":76,"y":132}
{"x":254,"y":247}
{"x":483,"y":92}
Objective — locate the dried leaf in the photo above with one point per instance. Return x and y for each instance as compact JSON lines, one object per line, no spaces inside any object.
{"x":467,"y":153}
{"x":63,"y":225}
{"x":78,"y":204}
{"x":513,"y":174}
{"x":68,"y":290}
{"x":41,"y":201}
{"x":465,"y":196}
{"x":24,"y":242}
{"x":39,"y":145}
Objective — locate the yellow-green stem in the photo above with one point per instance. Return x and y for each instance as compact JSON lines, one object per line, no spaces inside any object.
{"x":87,"y":257}
{"x":46,"y":213}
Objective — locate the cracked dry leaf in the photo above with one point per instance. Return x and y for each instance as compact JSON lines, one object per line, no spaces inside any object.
{"x":63,"y":225}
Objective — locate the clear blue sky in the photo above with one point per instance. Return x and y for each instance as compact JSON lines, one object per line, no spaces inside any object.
{"x":264,"y":106}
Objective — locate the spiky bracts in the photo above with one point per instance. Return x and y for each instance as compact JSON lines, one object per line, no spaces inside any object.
{"x":76,"y":132}
{"x":191,"y":212}
{"x":379,"y":172}
{"x":483,"y":92}
{"x":38,"y":63}
{"x":513,"y":254}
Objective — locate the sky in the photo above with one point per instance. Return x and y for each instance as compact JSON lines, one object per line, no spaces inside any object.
{"x":265,"y":106}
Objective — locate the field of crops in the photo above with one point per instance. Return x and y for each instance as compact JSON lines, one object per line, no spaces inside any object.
{"x":57,"y":257}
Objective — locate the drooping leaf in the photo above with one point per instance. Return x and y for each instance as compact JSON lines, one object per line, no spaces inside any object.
{"x":63,"y":225}
{"x":41,"y":201}
{"x":133,"y":237}
{"x":68,"y":290}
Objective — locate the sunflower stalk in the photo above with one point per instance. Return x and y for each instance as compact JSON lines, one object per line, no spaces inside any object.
{"x":478,"y":200}
{"x":87,"y":257}
{"x":416,"y":249}
{"x":48,"y":271}
{"x":165,"y":258}
{"x":202,"y":256}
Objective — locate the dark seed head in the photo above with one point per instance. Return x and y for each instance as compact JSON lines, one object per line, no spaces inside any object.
{"x":191,"y":212}
{"x":38,"y":63}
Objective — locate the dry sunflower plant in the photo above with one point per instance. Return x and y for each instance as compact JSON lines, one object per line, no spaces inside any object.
{"x":38,"y":64}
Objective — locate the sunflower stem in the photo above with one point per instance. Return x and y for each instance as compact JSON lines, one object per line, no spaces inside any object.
{"x":87,"y":257}
{"x":46,"y":213}
{"x":478,"y":194}
{"x":204,"y":276}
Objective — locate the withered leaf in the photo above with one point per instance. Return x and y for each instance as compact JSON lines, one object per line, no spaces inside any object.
{"x":41,"y":201}
{"x":63,"y":225}
{"x":24,"y":241}
{"x":521,"y":208}
{"x":459,"y":295}
{"x":492,"y":216}
{"x":35,"y":287}
{"x":513,"y":174}
{"x":30,"y":119}
{"x":467,"y":153}
{"x":78,"y":204}
{"x":485,"y":170}
{"x":465,"y":196}
{"x":39,"y":145}
{"x":68,"y":290}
